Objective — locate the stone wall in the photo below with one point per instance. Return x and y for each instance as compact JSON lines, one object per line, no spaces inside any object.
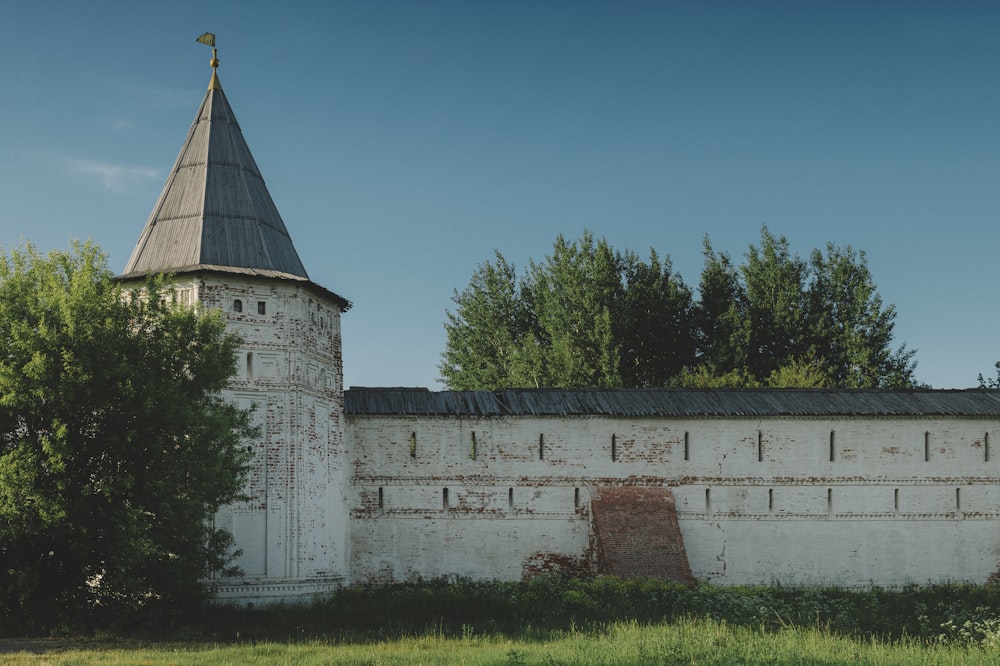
{"x":292,"y":530}
{"x":846,"y":501}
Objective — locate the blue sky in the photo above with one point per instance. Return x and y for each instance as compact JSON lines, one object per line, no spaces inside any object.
{"x":404,"y":141}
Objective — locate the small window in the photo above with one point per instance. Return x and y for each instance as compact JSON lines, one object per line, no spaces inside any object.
{"x":760,"y":446}
{"x":445,"y":505}
{"x":833,"y":445}
{"x":541,"y":447}
{"x":261,"y":307}
{"x":381,"y":500}
{"x":237,"y":305}
{"x":895,"y":499}
{"x":687,"y":447}
{"x":770,"y":499}
{"x":614,"y":448}
{"x":510,"y":499}
{"x":576,"y":498}
{"x":472,"y":446}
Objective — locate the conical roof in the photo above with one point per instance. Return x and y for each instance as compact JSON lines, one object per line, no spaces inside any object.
{"x":215,"y":213}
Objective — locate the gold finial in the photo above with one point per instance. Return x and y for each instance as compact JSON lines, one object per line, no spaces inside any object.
{"x":214,"y":83}
{"x":209,"y":39}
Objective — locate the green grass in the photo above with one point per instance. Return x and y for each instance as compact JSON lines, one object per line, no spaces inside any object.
{"x":687,"y":641}
{"x":549,"y":620}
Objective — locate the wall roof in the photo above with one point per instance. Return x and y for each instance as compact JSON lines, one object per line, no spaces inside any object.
{"x":673,"y":402}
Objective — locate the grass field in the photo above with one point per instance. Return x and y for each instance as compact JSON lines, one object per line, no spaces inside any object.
{"x":683,"y":642}
{"x":551,"y":620}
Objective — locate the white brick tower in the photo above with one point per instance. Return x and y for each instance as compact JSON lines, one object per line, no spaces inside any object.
{"x":217,"y":231}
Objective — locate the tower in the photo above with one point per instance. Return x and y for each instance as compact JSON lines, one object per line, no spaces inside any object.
{"x":216,"y":230}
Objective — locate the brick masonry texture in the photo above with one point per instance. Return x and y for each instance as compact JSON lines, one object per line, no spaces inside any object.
{"x":800,"y":501}
{"x":638,"y":535}
{"x":335,"y":500}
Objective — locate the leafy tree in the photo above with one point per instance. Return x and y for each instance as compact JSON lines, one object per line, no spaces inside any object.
{"x":783,"y":321}
{"x":655,"y":323}
{"x":587,"y":315}
{"x":774,"y":281}
{"x":720,"y":318}
{"x":575,"y":298}
{"x":115,"y":446}
{"x":487,"y":333}
{"x":990,"y":382}
{"x":851,"y":328}
{"x":703,"y":377}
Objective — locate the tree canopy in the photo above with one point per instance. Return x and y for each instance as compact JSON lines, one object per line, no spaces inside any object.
{"x":592,"y":316}
{"x":587,"y":315}
{"x":116,"y":448}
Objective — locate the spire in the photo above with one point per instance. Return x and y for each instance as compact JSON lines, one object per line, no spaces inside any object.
{"x":214,"y":83}
{"x":215,"y":212}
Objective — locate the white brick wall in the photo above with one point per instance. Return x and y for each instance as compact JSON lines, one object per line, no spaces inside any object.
{"x":817,"y":501}
{"x":758,"y":500}
{"x":293,"y":528}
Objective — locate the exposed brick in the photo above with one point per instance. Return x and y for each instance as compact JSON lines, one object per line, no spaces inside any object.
{"x":638,"y":535}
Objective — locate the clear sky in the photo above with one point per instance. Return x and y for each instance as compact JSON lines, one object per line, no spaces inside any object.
{"x":404,"y":141}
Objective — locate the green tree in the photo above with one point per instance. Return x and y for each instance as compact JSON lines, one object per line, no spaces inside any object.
{"x":654,"y":327}
{"x":116,"y":448}
{"x":586,"y":315}
{"x":851,"y":328}
{"x":990,"y":382}
{"x":575,"y":296}
{"x":720,"y":318}
{"x":774,"y":282}
{"x":488,"y":332}
{"x":778,"y":320}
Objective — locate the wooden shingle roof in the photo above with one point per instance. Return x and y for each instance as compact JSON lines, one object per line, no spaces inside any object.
{"x":671,"y":402}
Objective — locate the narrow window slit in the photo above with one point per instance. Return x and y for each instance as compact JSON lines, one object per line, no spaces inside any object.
{"x":832,"y":446}
{"x":687,"y":447}
{"x":413,"y":444}
{"x":770,"y":499}
{"x":472,"y":446}
{"x":541,"y":447}
{"x":760,"y":446}
{"x":895,"y":499}
{"x":444,"y":499}
{"x":927,"y":446}
{"x":614,"y":448}
{"x":381,"y":500}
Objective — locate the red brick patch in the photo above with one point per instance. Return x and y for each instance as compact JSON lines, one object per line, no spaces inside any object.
{"x":638,"y":535}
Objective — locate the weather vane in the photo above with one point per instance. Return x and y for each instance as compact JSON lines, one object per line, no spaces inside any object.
{"x":209,"y":39}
